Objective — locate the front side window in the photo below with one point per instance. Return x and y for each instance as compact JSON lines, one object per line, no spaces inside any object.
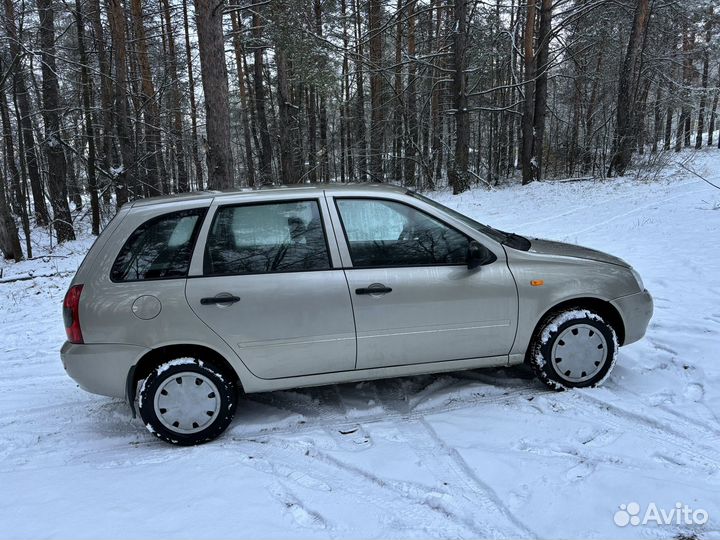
{"x":387,"y":233}
{"x":160,"y":248}
{"x":262,"y":238}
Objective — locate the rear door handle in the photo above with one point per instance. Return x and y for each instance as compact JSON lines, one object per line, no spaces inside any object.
{"x":375,"y":288}
{"x":222,"y":298}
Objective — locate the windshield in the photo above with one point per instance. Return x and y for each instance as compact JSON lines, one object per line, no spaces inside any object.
{"x":495,"y":234}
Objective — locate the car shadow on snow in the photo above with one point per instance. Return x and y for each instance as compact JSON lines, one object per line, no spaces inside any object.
{"x":368,"y":401}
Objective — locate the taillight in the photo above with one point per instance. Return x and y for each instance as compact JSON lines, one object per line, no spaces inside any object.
{"x":71,"y":314}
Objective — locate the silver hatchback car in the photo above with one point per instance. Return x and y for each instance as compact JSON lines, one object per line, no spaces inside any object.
{"x":184,"y":301}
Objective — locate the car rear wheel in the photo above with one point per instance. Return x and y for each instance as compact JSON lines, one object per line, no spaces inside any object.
{"x":574,"y":348}
{"x":187,"y":401}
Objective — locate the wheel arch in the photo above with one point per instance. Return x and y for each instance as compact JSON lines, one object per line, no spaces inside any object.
{"x":602,"y":307}
{"x":153,"y":358}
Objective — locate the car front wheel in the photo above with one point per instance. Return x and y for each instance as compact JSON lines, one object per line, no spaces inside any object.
{"x":187,"y":401}
{"x":574,"y":348}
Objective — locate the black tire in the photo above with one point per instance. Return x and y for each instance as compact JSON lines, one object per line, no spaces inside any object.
{"x":221,"y":399}
{"x":594,"y":367}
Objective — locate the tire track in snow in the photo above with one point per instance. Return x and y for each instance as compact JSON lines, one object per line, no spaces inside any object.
{"x":707,"y":460}
{"x":459,"y":497}
{"x":302,"y":515}
{"x":713,"y":429}
{"x":464,"y":496}
{"x":361,"y":485}
{"x":452,"y":462}
{"x":582,"y":457}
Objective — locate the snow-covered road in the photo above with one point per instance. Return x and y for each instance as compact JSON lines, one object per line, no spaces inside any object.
{"x":474,"y":454}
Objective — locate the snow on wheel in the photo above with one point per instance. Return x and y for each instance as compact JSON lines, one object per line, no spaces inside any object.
{"x":574,"y":348}
{"x":187,"y":401}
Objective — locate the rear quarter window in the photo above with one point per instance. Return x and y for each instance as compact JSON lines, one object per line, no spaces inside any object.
{"x":160,"y":248}
{"x":99,"y":242}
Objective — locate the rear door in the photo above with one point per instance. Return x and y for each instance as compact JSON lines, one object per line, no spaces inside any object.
{"x":415,"y":300}
{"x":269,"y":287}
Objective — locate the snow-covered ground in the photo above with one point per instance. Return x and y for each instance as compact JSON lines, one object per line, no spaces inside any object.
{"x":474,"y":454}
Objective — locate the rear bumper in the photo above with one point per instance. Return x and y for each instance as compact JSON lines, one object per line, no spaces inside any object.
{"x":636,"y":311}
{"x":100,"y":368}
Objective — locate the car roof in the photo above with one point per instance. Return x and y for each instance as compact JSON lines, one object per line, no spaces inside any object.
{"x":369,"y":187}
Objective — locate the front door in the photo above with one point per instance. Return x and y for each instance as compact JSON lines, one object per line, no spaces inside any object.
{"x":414,"y":299}
{"x":268,"y":289}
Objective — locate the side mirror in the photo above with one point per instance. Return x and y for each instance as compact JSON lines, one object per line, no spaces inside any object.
{"x":478,"y":255}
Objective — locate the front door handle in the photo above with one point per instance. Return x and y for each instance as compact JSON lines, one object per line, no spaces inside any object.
{"x":375,"y":288}
{"x":222,"y":298}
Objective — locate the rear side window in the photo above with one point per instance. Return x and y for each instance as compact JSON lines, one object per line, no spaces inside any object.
{"x":160,"y":248}
{"x":263,"y":238}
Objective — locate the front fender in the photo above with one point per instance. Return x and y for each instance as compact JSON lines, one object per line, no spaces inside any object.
{"x":545,"y":281}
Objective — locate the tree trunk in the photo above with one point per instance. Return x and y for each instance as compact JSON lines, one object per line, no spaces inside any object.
{"x":193,"y":103}
{"x":435,"y":117}
{"x":411,"y":141}
{"x":515,"y":125}
{"x":541,"y":84}
{"x":208,"y":15}
{"x":138,"y":176}
{"x":124,"y":184}
{"x":628,"y":89}
{"x":9,"y":239}
{"x":89,"y":120}
{"x":398,"y":101}
{"x":703,"y":102}
{"x":458,"y":173}
{"x":682,"y":131}
{"x":679,"y":128}
{"x":54,"y":148}
{"x":657,"y":124}
{"x":713,"y":110}
{"x":323,"y":152}
{"x":15,"y":177}
{"x":668,"y":127}
{"x":244,"y":110}
{"x":265,"y":144}
{"x":528,"y":142}
{"x":360,"y":137}
{"x":311,"y":107}
{"x":669,"y":113}
{"x":74,"y":187}
{"x":16,"y":199}
{"x":641,"y":114}
{"x":106,"y":91}
{"x":20,"y":92}
{"x":183,"y":182}
{"x":575,"y":130}
{"x":288,"y":133}
{"x":689,"y":81}
{"x":377,"y":122}
{"x":346,"y":162}
{"x":156,"y":183}
{"x":705,"y":74}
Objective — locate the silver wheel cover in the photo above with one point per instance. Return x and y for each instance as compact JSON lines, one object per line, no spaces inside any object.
{"x":187,"y":402}
{"x":579,"y":353}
